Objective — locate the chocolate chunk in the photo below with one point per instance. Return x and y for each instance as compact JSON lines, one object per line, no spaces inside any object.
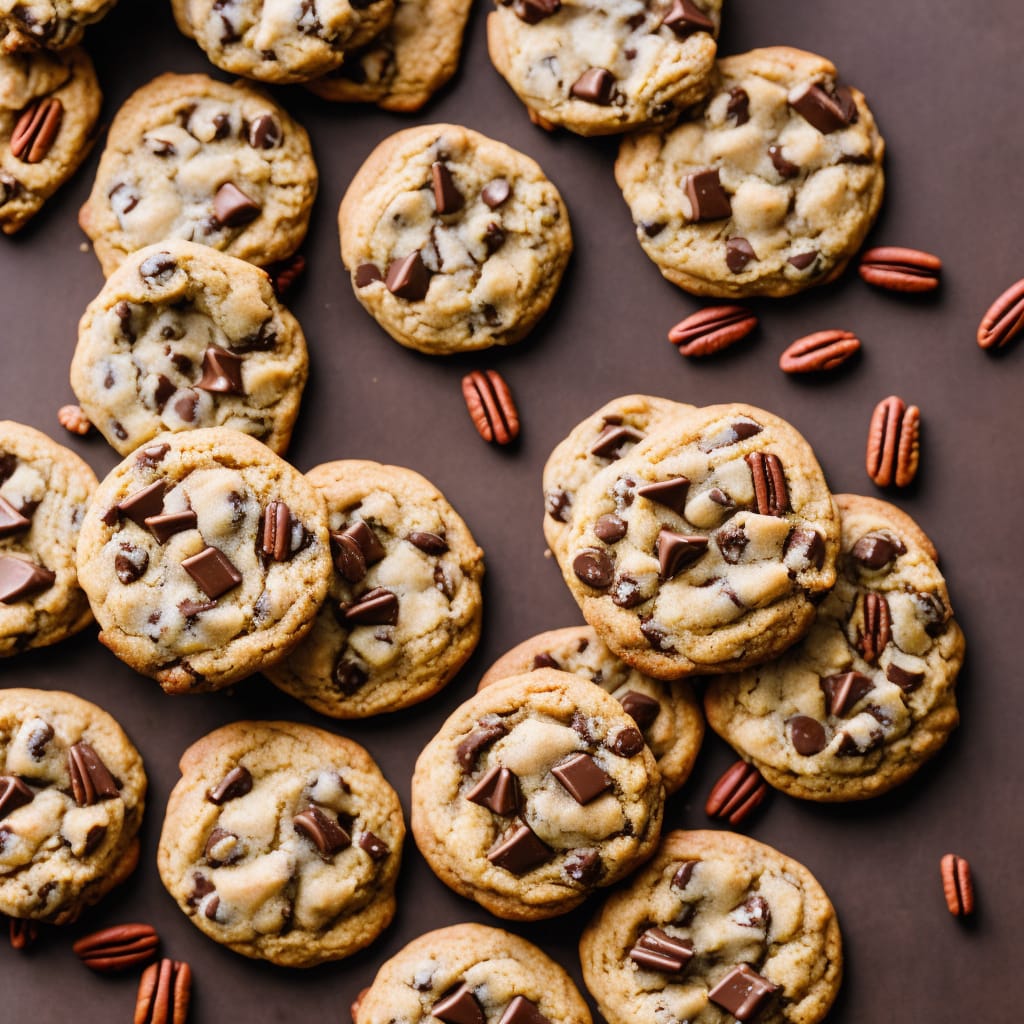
{"x":738,"y":107}
{"x":143,"y":504}
{"x":708,"y":200}
{"x":94,"y":839}
{"x":732,"y":541}
{"x":876,"y":630}
{"x":683,"y":874}
{"x":656,"y":635}
{"x":932,"y":612}
{"x":91,"y":781}
{"x":232,"y":207}
{"x":595,"y":85}
{"x":458,"y":1007}
{"x":355,"y":549}
{"x":808,"y":544}
{"x":229,"y":851}
{"x":496,"y":192}
{"x":582,"y":778}
{"x":236,"y":783}
{"x":523,"y":1011}
{"x":580,"y":724}
{"x":498,"y":791}
{"x":367,"y":273}
{"x":275,"y":533}
{"x":152,"y":456}
{"x":719,"y":497}
{"x":626,"y":592}
{"x":428,"y":543}
{"x":826,"y":111}
{"x":771,"y":496}
{"x":11,"y":520}
{"x":670,"y":493}
{"x":130,"y":563}
{"x":443,"y":581}
{"x":519,"y":851}
{"x":374,"y":846}
{"x":213,"y":572}
{"x":349,"y":677}
{"x":201,"y":888}
{"x":677,"y":551}
{"x":583,"y":866}
{"x":222,"y":372}
{"x":743,"y":993}
{"x":732,"y":434}
{"x":783,"y":166}
{"x":483,"y":736}
{"x":753,"y":912}
{"x":627,"y":742}
{"x":610,"y":528}
{"x":876,"y":550}
{"x":594,"y":568}
{"x":165,"y":387}
{"x":190,"y":609}
{"x":908,"y":682}
{"x":684,"y":18}
{"x":807,"y":735}
{"x":656,"y":950}
{"x":613,"y":439}
{"x":264,"y":132}
{"x":843,"y":690}
{"x":738,"y":253}
{"x":377,"y":607}
{"x":328,"y":835}
{"x":447,"y":197}
{"x":408,"y":277}
{"x":494,"y":239}
{"x":38,"y":740}
{"x":544,"y":660}
{"x":19,"y":578}
{"x":9,"y":187}
{"x":803,"y":260}
{"x":13,"y":794}
{"x":556,"y":504}
{"x":532,"y":11}
{"x":641,"y":708}
{"x":167,"y":524}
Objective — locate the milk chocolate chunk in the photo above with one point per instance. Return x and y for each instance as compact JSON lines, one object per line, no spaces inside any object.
{"x":213,"y":572}
{"x":802,"y":260}
{"x":932,"y":612}
{"x":11,"y":520}
{"x":738,"y":107}
{"x":236,"y":783}
{"x":595,"y":85}
{"x":13,"y":794}
{"x":807,"y":735}
{"x":732,"y":541}
{"x":708,"y":200}
{"x":656,"y":950}
{"x":130,"y":563}
{"x":167,"y":524}
{"x":738,"y":253}
{"x":458,"y":1007}
{"x":681,"y":879}
{"x":670,"y":493}
{"x":222,"y":372}
{"x":428,"y":543}
{"x":498,"y":791}
{"x":826,"y":111}
{"x":374,"y":846}
{"x":656,"y":635}
{"x":142,"y":504}
{"x":366,"y":274}
{"x":152,"y":456}
{"x":264,"y":132}
{"x":91,"y":781}
{"x":377,"y":607}
{"x":532,"y":11}
{"x":743,"y":993}
{"x":39,"y":738}
{"x":447,"y":197}
{"x":233,"y":208}
{"x":519,"y":851}
{"x":843,"y":690}
{"x":732,"y":434}
{"x":190,"y":609}
{"x":545,"y":660}
{"x":641,"y":708}
{"x":808,"y":543}
{"x":594,"y":568}
{"x":610,"y":529}
{"x":348,"y":676}
{"x":158,"y":268}
{"x":627,"y":742}
{"x":785,"y":169}
{"x":355,"y":549}
{"x":877,"y":550}
{"x":408,"y":277}
{"x":612,"y":439}
{"x":328,"y":835}
{"x":685,"y":18}
{"x":583,"y":866}
{"x":771,"y":496}
{"x":582,"y":778}
{"x":523,"y":1011}
{"x":483,"y":736}
{"x":496,"y":192}
{"x":19,"y":578}
{"x":222,"y":847}
{"x":677,"y":551}
{"x":908,"y":682}
{"x":753,"y":912}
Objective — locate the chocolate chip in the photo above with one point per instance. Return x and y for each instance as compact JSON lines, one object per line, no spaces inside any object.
{"x":519,"y":851}
{"x":932,"y":612}
{"x":201,"y":888}
{"x":743,"y":993}
{"x":532,"y":11}
{"x":876,"y":550}
{"x":595,"y":85}
{"x":11,"y":520}
{"x":328,"y":836}
{"x":374,"y":846}
{"x":428,"y":543}
{"x":498,"y":791}
{"x":236,"y":783}
{"x":556,"y":504}
{"x":20,"y":578}
{"x":684,"y":18}
{"x":165,"y":387}
{"x":656,"y":950}
{"x":594,"y":568}
{"x":496,"y":192}
{"x":130,"y":563}
{"x":232,"y":207}
{"x":843,"y":690}
{"x":91,"y":780}
{"x":670,"y":493}
{"x":494,"y":238}
{"x":190,"y":608}
{"x":349,"y":677}
{"x":443,"y":582}
{"x":583,"y":866}
{"x":377,"y":607}
{"x":708,"y":200}
{"x":801,"y":261}
{"x":230,"y":851}
{"x":656,"y":636}
{"x":38,"y":740}
{"x":523,"y":1011}
{"x":151,"y":457}
{"x":367,"y":273}
{"x":753,"y":912}
{"x":807,"y":735}
{"x":613,"y":439}
{"x":610,"y":529}
{"x":582,"y":778}
{"x":580,"y":724}
{"x":213,"y":572}
{"x":641,"y":708}
{"x":408,"y":277}
{"x":222,"y":372}
{"x":683,"y":874}
{"x":13,"y":794}
{"x":732,"y":434}
{"x":782,"y":165}
{"x":483,"y":736}
{"x":458,"y":1007}
{"x":265,"y":132}
{"x":167,"y":524}
{"x":9,"y":187}
{"x":158,"y":268}
{"x":908,"y":682}
{"x":738,"y":253}
{"x":94,"y":839}
{"x":677,"y":551}
{"x":141,"y":504}
{"x":447,"y":197}
{"x":627,"y":592}
{"x":186,"y":406}
{"x":826,"y":111}
{"x":544,"y":660}
{"x":627,"y":742}
{"x":808,"y":544}
{"x":355,"y":549}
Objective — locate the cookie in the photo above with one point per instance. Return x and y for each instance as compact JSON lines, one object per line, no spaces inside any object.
{"x":602,"y":68}
{"x":536,"y":791}
{"x":205,"y":558}
{"x":717,"y":928}
{"x":455,"y":242}
{"x":44,"y":492}
{"x":49,"y":106}
{"x":192,"y":158}
{"x":72,"y":793}
{"x":769,"y":189}
{"x":667,"y":715}
{"x":282,"y":842}
{"x":403,"y":611}
{"x":183,"y":337}
{"x":705,"y":548}
{"x":868,"y":696}
{"x":49,"y":24}
{"x":404,"y":66}
{"x":468,"y":972}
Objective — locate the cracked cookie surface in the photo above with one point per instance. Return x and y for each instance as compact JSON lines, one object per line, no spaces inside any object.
{"x":48,"y":24}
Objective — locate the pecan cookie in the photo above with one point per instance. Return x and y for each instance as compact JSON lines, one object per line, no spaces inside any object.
{"x":50,"y":24}
{"x":770,"y":189}
{"x":181,"y":337}
{"x":602,"y":68}
{"x":192,"y":158}
{"x":454,"y":242}
{"x":536,"y":791}
{"x":282,"y":842}
{"x":403,"y":610}
{"x":49,"y":105}
{"x":72,"y":793}
{"x":667,"y":715}
{"x":717,"y":928}
{"x":868,"y":696}
{"x":468,"y":972}
{"x":205,"y":558}
{"x":44,"y":492}
{"x":706,"y":547}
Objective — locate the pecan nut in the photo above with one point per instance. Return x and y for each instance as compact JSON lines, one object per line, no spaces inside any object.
{"x":491,"y":406}
{"x":1004,"y":319}
{"x":901,"y":270}
{"x":36,"y":130}
{"x":876,"y":631}
{"x":957,"y":885}
{"x":738,"y":792}
{"x":712,"y":329}
{"x":894,"y":442}
{"x":815,"y":353}
{"x":164,"y":992}
{"x":120,"y":948}
{"x":771,"y":496}
{"x":73,"y":419}
{"x":23,"y":933}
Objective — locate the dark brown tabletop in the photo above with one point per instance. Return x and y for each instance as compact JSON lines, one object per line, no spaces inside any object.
{"x":943,"y":79}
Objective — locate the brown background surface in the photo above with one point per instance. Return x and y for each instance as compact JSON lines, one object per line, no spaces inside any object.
{"x":943,"y":79}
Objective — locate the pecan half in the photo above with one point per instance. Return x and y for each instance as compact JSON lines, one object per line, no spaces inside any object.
{"x":957,"y":885}
{"x":36,"y":130}
{"x":712,"y":329}
{"x":491,"y":406}
{"x":1004,"y":319}
{"x":73,"y":419}
{"x":901,"y":270}
{"x":120,"y":948}
{"x":823,"y":350}
{"x":894,"y":442}
{"x":771,"y":497}
{"x":736,"y":794}
{"x":164,"y":993}
{"x":877,"y":629}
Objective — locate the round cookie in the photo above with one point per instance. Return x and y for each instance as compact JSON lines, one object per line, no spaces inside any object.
{"x":192,"y":158}
{"x":50,"y":24}
{"x":602,"y":68}
{"x":205,"y":558}
{"x":717,"y":928}
{"x":403,"y":610}
{"x":668,"y":715}
{"x":72,"y":793}
{"x":182,"y":337}
{"x":868,"y":696}
{"x":706,"y":547}
{"x":536,"y":791}
{"x":455,"y":242}
{"x":49,"y":106}
{"x":282,"y":842}
{"x":770,"y":189}
{"x":44,"y":492}
{"x":471,"y":972}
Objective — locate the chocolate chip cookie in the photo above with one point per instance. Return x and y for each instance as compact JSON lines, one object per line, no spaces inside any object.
{"x":47,"y":24}
{"x":72,"y":793}
{"x":182,"y":337}
{"x":455,"y":242}
{"x":769,"y":189}
{"x":706,"y":547}
{"x":403,"y":611}
{"x":536,"y":791}
{"x":192,"y":158}
{"x":205,"y":558}
{"x":44,"y":492}
{"x":282,"y":842}
{"x":602,"y":68}
{"x":667,"y":715}
{"x":868,"y":696}
{"x":717,"y":928}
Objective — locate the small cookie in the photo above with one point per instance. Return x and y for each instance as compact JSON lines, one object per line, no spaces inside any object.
{"x":282,"y":842}
{"x":182,"y":337}
{"x":536,"y":791}
{"x":44,"y":492}
{"x":868,"y":696}
{"x":49,"y":106}
{"x":455,"y":242}
{"x":49,"y":24}
{"x":192,"y":158}
{"x":717,"y":928}
{"x":403,"y":610}
{"x":72,"y":793}
{"x":705,"y":548}
{"x":771,"y":189}
{"x":603,"y":68}
{"x":469,"y":972}
{"x":205,"y":558}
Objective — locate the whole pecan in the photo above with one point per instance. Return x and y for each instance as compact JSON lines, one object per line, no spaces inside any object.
{"x":73,"y":419}
{"x":23,"y":933}
{"x":736,"y":794}
{"x":164,"y":992}
{"x":712,"y":329}
{"x":894,"y":442}
{"x":957,"y":885}
{"x":36,"y":130}
{"x":119,"y":948}
{"x":491,"y":406}
{"x":1004,"y":319}
{"x":823,"y":350}
{"x":901,"y":270}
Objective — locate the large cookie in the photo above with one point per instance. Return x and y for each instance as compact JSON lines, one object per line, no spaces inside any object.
{"x":50,"y":24}
{"x":868,"y":696}
{"x":770,"y":189}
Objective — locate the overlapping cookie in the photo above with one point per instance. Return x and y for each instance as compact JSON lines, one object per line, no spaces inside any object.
{"x":48,"y":24}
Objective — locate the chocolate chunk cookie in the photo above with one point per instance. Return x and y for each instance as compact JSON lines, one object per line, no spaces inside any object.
{"x":205,"y":558}
{"x":717,"y":928}
{"x":44,"y":492}
{"x":769,"y":189}
{"x":536,"y":791}
{"x":192,"y":158}
{"x":49,"y":24}
{"x":868,"y":696}
{"x":182,"y":337}
{"x":403,"y":610}
{"x":602,"y":68}
{"x":454,"y":242}
{"x":282,"y":842}
{"x":72,"y":793}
